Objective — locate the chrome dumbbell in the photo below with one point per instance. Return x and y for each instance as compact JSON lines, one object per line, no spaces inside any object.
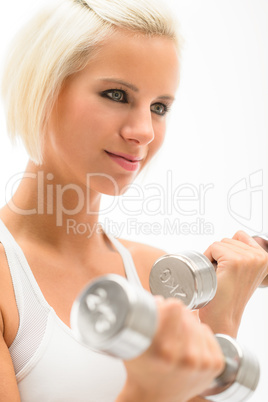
{"x":262,"y":239}
{"x":189,"y":276}
{"x":117,"y":318}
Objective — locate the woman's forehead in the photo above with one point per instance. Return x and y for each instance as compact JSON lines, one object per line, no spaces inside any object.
{"x":136,"y":59}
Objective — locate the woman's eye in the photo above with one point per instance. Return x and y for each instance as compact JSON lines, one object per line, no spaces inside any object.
{"x":119,"y":95}
{"x":116,"y":95}
{"x":160,"y":108}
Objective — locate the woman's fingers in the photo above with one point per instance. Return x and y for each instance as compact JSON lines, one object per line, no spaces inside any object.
{"x":242,"y":240}
{"x":237,"y":253}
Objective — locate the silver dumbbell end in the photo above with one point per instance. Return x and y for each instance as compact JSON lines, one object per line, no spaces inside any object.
{"x":112,"y":316}
{"x":240,"y":377}
{"x":188,"y":276}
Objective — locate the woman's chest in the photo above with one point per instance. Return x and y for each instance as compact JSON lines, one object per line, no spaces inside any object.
{"x":60,"y":280}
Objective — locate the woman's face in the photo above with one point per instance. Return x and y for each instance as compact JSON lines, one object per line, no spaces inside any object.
{"x":110,"y":118}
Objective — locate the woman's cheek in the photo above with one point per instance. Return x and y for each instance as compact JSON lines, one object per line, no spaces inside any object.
{"x":159,"y":138}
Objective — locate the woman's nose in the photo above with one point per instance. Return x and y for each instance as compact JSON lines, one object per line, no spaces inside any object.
{"x":138,"y":127}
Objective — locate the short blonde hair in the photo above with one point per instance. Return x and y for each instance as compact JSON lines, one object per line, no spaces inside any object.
{"x":58,"y":42}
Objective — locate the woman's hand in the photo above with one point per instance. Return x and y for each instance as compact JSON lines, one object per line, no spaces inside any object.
{"x":242,"y":266}
{"x":181,"y":362}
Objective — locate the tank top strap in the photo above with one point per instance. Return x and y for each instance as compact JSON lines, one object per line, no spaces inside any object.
{"x":126,"y":256}
{"x":16,"y":258}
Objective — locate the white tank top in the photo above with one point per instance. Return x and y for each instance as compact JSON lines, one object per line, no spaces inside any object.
{"x":50,"y":364}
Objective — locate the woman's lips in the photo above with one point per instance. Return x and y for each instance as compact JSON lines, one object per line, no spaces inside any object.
{"x":128,"y":162}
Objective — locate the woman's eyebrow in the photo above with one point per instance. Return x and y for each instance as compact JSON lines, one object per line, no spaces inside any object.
{"x":167,"y":97}
{"x":118,"y":81}
{"x":133,"y":87}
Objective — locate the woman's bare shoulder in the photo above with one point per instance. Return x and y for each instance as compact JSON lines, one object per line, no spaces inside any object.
{"x":4,"y":268}
{"x":143,"y":251}
{"x":144,"y":257}
{"x":8,"y":307}
{"x":7,"y":331}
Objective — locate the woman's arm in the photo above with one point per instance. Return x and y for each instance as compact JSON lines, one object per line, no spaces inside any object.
{"x":181,"y":362}
{"x":8,"y":385}
{"x":242,"y":266}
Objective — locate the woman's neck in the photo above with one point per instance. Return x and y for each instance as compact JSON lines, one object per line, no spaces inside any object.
{"x":47,"y":208}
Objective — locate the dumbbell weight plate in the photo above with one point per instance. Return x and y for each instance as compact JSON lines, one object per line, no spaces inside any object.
{"x":112,"y":316}
{"x":263,"y":236}
{"x":240,"y":377}
{"x":188,"y":276}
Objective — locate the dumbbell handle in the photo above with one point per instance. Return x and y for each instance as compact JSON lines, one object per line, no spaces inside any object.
{"x":115,"y":317}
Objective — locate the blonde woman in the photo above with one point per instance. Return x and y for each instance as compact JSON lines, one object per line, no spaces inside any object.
{"x":87,"y":87}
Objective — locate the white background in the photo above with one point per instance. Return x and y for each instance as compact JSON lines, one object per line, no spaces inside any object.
{"x":217,"y":137}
